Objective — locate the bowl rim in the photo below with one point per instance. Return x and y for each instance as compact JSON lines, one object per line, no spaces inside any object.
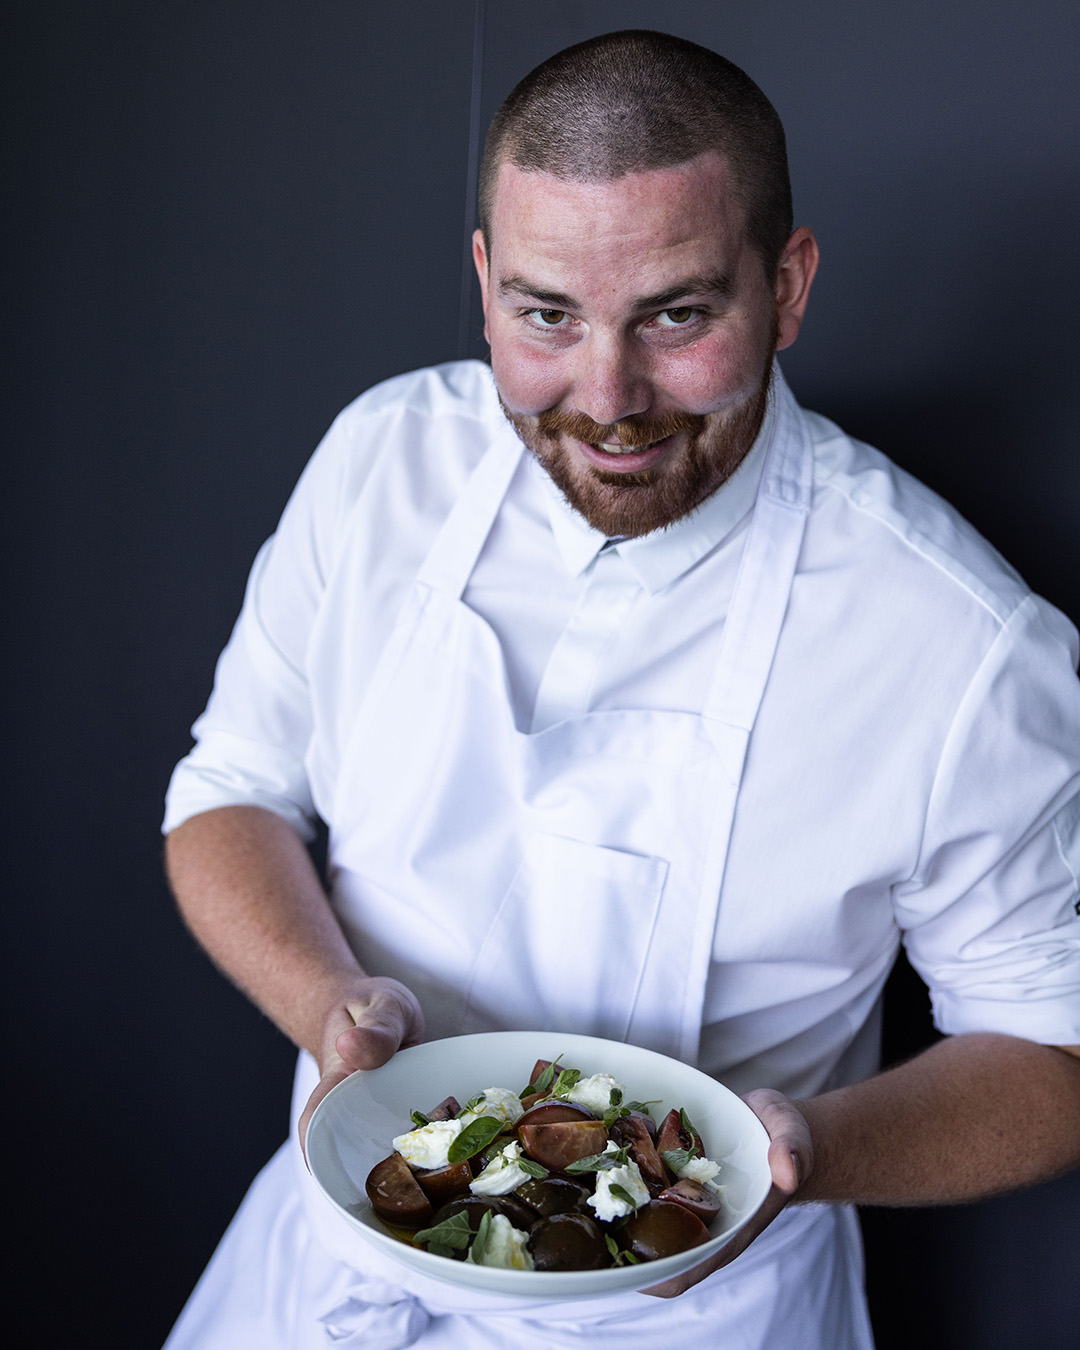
{"x":523,"y":1284}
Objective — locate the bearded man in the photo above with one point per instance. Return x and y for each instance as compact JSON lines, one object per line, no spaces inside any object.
{"x":639,"y":702}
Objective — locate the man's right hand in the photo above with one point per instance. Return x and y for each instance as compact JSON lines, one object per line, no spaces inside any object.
{"x":249,"y":892}
{"x":367,"y":1030}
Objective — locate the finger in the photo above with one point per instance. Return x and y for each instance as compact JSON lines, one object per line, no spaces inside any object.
{"x":385,"y":1019}
{"x":791,"y":1149}
{"x":785,"y":1167}
{"x":366,"y":1047}
{"x":324,"y":1085}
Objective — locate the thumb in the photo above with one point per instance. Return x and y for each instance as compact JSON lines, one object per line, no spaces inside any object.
{"x":385,"y":1018}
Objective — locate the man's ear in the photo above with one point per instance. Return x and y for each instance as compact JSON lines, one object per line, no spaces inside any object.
{"x":480,"y":261}
{"x":794,"y":277}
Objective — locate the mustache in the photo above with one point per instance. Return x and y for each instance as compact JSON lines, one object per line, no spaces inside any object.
{"x":631,"y":431}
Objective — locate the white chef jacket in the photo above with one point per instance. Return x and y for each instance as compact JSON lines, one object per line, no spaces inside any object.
{"x":913,"y":771}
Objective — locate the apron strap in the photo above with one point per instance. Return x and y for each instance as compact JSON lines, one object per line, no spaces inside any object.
{"x":747,"y":649}
{"x":766,"y":572}
{"x":460,"y":539}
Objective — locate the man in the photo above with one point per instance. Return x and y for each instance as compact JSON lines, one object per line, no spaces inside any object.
{"x":698,"y":692}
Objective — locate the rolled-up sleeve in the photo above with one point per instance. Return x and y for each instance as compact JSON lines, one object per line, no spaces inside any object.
{"x":251,"y":741}
{"x":991,"y":919}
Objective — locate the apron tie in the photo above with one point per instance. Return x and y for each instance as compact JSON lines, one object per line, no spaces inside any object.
{"x":376,"y":1316}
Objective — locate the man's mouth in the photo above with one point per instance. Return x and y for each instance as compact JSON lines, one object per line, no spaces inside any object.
{"x":614,"y":447}
{"x":615,"y":457}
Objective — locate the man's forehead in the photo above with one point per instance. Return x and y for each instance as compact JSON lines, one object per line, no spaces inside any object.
{"x":666,"y":209}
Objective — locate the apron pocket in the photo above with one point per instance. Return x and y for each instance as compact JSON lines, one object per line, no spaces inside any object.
{"x":568,"y":944}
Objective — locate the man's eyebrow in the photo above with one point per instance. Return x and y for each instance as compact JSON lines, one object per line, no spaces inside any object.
{"x":525,"y":290}
{"x":719,"y":285}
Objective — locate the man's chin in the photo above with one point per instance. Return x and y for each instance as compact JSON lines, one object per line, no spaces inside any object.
{"x":630,"y":502}
{"x":621,"y":504}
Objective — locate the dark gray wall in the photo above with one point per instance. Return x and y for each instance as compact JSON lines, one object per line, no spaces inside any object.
{"x":223,"y":222}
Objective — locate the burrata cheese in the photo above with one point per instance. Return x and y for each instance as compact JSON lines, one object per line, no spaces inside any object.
{"x":428,"y":1146}
{"x":595,"y":1092}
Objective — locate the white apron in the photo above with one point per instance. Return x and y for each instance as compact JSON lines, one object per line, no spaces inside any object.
{"x":567,"y":879}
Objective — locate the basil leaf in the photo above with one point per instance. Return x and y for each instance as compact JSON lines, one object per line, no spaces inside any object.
{"x":677,"y":1158}
{"x":684,"y":1121}
{"x":618,"y":1111}
{"x":599,"y":1162}
{"x":547,"y":1077}
{"x":593,"y":1163}
{"x":481,"y":1241}
{"x":615,"y":1099}
{"x":620,"y":1256}
{"x":453,"y":1234}
{"x":620,"y":1193}
{"x":419,"y":1119}
{"x":566,"y":1080}
{"x":473,"y":1138}
{"x":472,"y":1104}
{"x":532,"y":1169}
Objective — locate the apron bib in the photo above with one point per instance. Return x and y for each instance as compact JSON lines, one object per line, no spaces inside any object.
{"x":567,"y":879}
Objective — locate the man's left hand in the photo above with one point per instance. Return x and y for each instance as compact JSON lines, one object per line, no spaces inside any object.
{"x":791,"y":1160}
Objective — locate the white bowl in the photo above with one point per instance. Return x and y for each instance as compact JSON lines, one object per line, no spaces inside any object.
{"x":354,"y":1124}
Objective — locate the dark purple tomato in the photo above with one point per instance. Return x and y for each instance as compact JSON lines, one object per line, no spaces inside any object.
{"x":563,"y":1142}
{"x":568,"y":1242}
{"x":671,"y":1135}
{"x":441,"y":1184}
{"x":698,"y":1199}
{"x":553,"y":1195}
{"x":631,"y":1133}
{"x":661,"y":1228}
{"x":395,"y":1195}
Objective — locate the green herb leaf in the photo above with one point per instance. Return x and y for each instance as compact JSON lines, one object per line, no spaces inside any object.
{"x":547,"y":1077}
{"x":684,"y":1121}
{"x":419,"y":1119}
{"x":473,"y":1104}
{"x":566,"y":1080}
{"x":615,"y":1099}
{"x":616,"y":1111}
{"x":481,"y":1241}
{"x":593,"y":1163}
{"x":620,"y":1256}
{"x":599,"y":1162}
{"x":473,"y":1138}
{"x":453,"y":1234}
{"x":532,"y":1169}
{"x":677,"y":1158}
{"x":620,"y":1193}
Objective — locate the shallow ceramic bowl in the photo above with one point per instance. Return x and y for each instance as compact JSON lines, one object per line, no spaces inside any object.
{"x":354,"y":1125}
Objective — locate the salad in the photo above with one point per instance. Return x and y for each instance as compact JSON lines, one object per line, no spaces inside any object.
{"x":567,"y":1174}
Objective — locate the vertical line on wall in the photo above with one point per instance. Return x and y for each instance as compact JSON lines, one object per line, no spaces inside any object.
{"x":464,"y":343}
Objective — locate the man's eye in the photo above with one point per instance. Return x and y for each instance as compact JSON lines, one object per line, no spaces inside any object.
{"x":672,"y":318}
{"x":550,"y":317}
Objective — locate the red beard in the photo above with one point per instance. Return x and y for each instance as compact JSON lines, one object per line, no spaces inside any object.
{"x":632,"y":504}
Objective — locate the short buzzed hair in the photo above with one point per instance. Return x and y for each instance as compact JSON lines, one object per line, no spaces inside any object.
{"x":635,"y":100}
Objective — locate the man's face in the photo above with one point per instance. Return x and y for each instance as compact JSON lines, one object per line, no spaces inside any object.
{"x":632,"y":329}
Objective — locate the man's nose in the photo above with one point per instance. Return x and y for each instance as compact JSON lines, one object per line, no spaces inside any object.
{"x":609,"y":382}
